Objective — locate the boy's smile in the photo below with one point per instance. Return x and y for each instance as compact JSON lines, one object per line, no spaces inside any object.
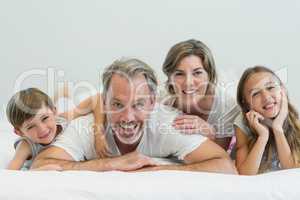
{"x":41,"y":128}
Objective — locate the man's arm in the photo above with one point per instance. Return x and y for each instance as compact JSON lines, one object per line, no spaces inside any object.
{"x":58,"y":156}
{"x":208,"y":157}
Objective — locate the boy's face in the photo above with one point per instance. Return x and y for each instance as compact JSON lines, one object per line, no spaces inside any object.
{"x":41,"y":128}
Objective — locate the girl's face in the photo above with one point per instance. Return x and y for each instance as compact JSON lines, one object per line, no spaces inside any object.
{"x":263,"y":94}
{"x":190,"y":80}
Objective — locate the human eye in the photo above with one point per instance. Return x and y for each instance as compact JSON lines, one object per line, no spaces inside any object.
{"x":30,"y":127}
{"x":117,"y":105}
{"x":178,"y":73}
{"x":45,"y":118}
{"x":139,"y":105}
{"x":271,"y":87}
{"x":198,"y":73}
{"x":255,"y":94}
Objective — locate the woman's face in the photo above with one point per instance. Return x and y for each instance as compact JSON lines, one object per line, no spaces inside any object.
{"x":263,"y":94}
{"x":190,"y":80}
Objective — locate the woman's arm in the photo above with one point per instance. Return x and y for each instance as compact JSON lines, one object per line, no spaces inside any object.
{"x":193,"y":124}
{"x":23,"y":152}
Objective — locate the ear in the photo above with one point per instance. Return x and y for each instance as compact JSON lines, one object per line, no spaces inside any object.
{"x":18,"y":132}
{"x":153,"y":99}
{"x":170,"y":87}
{"x":283,"y":89}
{"x":245,"y":107}
{"x":54,"y":110}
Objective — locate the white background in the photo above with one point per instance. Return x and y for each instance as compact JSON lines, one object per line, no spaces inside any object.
{"x":80,"y":38}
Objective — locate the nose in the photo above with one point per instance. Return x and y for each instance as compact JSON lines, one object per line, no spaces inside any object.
{"x":128,"y":115}
{"x":266,"y":95}
{"x":42,"y":127}
{"x":189,"y":80}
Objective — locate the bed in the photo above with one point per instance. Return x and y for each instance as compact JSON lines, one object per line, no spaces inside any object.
{"x":79,"y":185}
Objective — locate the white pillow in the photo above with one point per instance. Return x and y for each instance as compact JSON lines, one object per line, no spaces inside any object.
{"x":7,"y":138}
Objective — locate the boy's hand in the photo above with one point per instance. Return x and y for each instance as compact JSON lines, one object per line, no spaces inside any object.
{"x":101,"y":146}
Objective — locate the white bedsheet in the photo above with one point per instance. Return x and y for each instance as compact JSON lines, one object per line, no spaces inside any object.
{"x":147,"y":185}
{"x":79,"y":185}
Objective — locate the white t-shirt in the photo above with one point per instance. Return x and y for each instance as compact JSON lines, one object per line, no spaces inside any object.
{"x":222,"y":114}
{"x":159,"y":138}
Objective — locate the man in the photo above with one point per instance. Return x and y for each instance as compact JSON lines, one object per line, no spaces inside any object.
{"x":136,"y":129}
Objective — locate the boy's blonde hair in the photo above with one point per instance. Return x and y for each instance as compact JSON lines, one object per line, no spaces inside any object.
{"x":25,"y":104}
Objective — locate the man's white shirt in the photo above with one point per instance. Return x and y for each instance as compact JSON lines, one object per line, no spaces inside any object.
{"x":160,"y":139}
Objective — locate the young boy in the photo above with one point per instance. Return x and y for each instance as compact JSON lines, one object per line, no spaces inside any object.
{"x":33,"y":116}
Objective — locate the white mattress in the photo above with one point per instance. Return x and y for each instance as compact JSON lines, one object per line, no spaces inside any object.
{"x":147,"y":185}
{"x":38,"y":185}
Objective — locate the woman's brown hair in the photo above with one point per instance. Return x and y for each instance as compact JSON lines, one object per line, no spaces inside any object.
{"x":184,"y":49}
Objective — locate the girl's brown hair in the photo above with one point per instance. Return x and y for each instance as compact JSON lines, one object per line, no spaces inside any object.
{"x":291,"y":125}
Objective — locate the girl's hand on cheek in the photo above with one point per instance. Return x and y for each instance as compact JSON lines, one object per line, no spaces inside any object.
{"x":283,"y":113}
{"x":254,"y":119}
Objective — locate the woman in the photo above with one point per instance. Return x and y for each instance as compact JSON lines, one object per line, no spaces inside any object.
{"x":192,"y":85}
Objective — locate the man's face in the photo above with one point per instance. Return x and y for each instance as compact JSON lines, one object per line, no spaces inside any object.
{"x":128,"y":104}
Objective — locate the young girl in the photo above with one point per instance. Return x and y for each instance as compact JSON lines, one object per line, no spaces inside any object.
{"x":268,"y":129}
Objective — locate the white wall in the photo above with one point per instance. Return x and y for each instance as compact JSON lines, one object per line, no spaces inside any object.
{"x":80,"y":38}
